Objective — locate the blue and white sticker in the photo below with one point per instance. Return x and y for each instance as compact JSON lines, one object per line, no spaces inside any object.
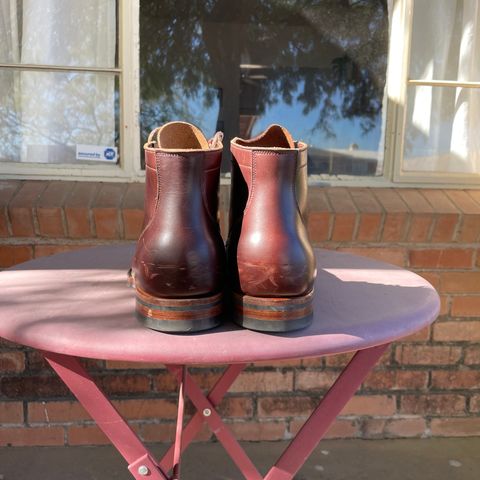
{"x":97,"y":153}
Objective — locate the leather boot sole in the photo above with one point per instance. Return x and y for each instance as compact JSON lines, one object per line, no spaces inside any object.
{"x":282,"y":314}
{"x":178,"y":315}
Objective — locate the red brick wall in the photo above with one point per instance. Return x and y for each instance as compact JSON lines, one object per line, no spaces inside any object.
{"x":427,"y":385}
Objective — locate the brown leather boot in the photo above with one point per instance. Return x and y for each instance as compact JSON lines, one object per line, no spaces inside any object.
{"x":178,"y":267}
{"x":271,"y":263}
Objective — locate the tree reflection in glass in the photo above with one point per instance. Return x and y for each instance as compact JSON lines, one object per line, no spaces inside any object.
{"x":317,"y":67}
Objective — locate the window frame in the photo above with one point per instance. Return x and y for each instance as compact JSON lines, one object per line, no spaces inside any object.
{"x":399,"y":97}
{"x":128,"y":167}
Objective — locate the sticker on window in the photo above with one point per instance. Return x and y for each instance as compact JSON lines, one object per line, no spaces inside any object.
{"x":97,"y":153}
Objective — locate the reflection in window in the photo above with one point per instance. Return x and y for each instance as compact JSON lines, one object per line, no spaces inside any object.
{"x":318,"y":68}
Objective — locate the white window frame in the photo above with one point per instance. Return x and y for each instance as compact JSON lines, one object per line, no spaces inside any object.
{"x":398,"y":87}
{"x":128,"y":168}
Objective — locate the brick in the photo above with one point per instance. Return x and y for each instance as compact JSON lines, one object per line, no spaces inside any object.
{"x":263,"y":382}
{"x":318,"y":201}
{"x":405,"y":427}
{"x":421,"y":336}
{"x":373,"y":427}
{"x":107,"y":223}
{"x":314,"y":380}
{"x":14,"y":254}
{"x":394,"y":227}
{"x":157,"y":408}
{"x":341,"y":428}
{"x":475,"y":195}
{"x":106,"y":210}
{"x":343,"y":227}
{"x":345,"y":214}
{"x":124,"y":384}
{"x":369,"y":227}
{"x":420,"y":226}
{"x":56,"y":412}
{"x":165,"y":433}
{"x":463,"y":201}
{"x":21,"y":208}
{"x":460,"y":282}
{"x":32,"y":387}
{"x":166,"y":382}
{"x":86,"y":435}
{"x":8,"y":188}
{"x":415,"y":201}
{"x":465,"y":306}
{"x":132,"y":223}
{"x":77,"y":209}
{"x":440,"y":405}
{"x":122,"y":365}
{"x":445,"y":227}
{"x":47,"y":250}
{"x":132,"y":210}
{"x":371,"y":213}
{"x":395,"y":256}
{"x":376,"y":405}
{"x":340,"y":360}
{"x":236,"y":407}
{"x":432,"y":277}
{"x":281,"y":363}
{"x":390,"y":200}
{"x":33,"y":436}
{"x":441,"y":258}
{"x":318,"y":224}
{"x":475,"y":404}
{"x":12,"y":361}
{"x":457,"y":331}
{"x":472,"y":355}
{"x":396,"y":380}
{"x":291,"y":406}
{"x":469,"y":229}
{"x":11,"y":412}
{"x":455,"y":380}
{"x":395,"y":223}
{"x":50,"y":209}
{"x":427,"y":354}
{"x":455,"y":427}
{"x":258,"y":431}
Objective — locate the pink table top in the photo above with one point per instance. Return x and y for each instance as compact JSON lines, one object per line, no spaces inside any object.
{"x":78,"y":303}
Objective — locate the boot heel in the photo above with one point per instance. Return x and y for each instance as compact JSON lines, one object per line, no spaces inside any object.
{"x":178,"y":315}
{"x":268,"y":314}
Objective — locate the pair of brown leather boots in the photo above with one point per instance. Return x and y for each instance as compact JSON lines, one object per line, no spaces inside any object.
{"x":184,"y":277}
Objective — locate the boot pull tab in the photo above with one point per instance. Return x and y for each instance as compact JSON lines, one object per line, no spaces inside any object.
{"x":216,"y":140}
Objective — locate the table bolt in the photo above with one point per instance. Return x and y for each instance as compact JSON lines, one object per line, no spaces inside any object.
{"x":207,"y":412}
{"x":143,"y":470}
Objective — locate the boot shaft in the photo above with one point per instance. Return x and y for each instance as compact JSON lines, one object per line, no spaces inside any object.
{"x":269,"y":253}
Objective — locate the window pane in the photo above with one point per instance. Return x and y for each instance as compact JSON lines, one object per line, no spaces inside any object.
{"x":442,"y":130}
{"x":316,"y":67}
{"x":59,"y":32}
{"x":44,"y":116}
{"x":445,"y":40}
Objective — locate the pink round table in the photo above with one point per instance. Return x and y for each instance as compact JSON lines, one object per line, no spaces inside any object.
{"x":78,"y":304}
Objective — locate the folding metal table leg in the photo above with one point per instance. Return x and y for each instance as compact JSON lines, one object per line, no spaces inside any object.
{"x":324,"y":415}
{"x":195,"y":424}
{"x":141,"y":462}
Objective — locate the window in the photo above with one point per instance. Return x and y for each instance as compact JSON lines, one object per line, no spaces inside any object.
{"x":442,"y":100}
{"x":60,"y":87}
{"x":384,"y":91}
{"x":319,"y":68}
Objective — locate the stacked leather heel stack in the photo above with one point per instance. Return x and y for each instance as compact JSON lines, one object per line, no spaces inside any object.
{"x":179,"y":269}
